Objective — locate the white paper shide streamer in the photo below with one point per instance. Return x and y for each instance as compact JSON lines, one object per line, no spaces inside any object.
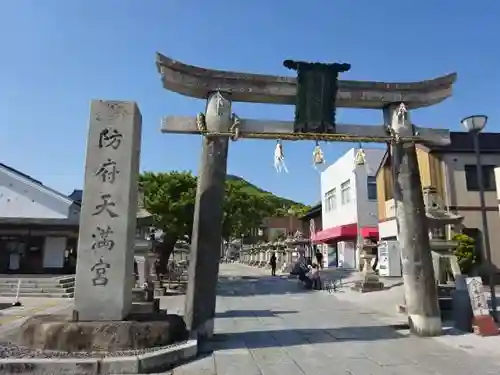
{"x":279,"y":158}
{"x":318,"y":156}
{"x":360,"y":157}
{"x":402,"y":111}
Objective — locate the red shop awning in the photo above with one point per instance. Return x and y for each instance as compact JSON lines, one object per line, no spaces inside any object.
{"x":341,"y":232}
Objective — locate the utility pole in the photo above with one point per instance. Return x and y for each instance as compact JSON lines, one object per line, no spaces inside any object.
{"x":421,"y":298}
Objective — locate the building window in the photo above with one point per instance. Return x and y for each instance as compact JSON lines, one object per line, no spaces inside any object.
{"x":331,"y":200}
{"x":345,"y":192}
{"x":371,"y":185}
{"x":488,"y":177}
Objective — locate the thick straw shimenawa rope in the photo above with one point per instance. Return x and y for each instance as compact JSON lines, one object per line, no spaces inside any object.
{"x":235,"y":134}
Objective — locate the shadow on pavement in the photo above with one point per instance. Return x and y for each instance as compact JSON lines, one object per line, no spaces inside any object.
{"x":338,"y":273}
{"x":252,"y":313}
{"x":234,"y":286}
{"x":388,"y":287}
{"x":4,"y":306}
{"x":294,"y":337}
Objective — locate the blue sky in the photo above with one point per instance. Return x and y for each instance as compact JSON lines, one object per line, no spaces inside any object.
{"x":58,"y":55}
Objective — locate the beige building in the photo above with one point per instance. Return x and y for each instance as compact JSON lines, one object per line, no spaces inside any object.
{"x":452,"y":171}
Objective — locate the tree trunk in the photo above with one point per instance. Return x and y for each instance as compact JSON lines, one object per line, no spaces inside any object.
{"x":166,"y":249}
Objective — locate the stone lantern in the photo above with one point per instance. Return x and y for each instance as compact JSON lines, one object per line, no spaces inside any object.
{"x":441,"y":246}
{"x":280,"y":253}
{"x":370,"y":281}
{"x":253,"y":256}
{"x":298,"y":242}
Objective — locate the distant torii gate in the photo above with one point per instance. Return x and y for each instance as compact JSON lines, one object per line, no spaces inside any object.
{"x":316,"y":92}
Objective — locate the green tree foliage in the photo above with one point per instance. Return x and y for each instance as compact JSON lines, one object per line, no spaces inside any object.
{"x":244,"y":209}
{"x":170,"y":198}
{"x":277,"y":206}
{"x":465,"y":252}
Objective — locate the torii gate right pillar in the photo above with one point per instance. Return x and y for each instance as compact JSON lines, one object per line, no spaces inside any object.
{"x":422,"y":305}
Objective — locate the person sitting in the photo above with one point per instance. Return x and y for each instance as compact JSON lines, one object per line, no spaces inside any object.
{"x":314,"y":276}
{"x":296,"y":268}
{"x":304,"y":279}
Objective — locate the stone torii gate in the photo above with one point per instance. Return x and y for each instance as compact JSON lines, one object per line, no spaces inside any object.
{"x":315,"y":100}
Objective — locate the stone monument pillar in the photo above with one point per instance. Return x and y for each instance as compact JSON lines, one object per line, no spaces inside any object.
{"x":104,"y":269}
{"x":143,"y":267}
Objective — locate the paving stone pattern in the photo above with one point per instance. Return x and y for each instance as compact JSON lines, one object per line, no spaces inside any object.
{"x":268,"y":325}
{"x":11,"y":318}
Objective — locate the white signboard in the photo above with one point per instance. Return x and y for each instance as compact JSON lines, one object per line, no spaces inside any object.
{"x":477,"y":296}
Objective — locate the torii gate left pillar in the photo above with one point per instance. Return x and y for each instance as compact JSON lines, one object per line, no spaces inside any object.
{"x":199,"y":310}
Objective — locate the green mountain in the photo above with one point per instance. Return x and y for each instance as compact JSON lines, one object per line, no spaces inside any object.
{"x":280,"y":205}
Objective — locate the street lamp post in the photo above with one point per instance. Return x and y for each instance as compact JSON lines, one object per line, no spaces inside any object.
{"x":474,"y":125}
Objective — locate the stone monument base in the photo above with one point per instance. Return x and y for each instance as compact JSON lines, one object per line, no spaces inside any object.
{"x":155,"y":360}
{"x":52,"y":332}
{"x":485,"y":326}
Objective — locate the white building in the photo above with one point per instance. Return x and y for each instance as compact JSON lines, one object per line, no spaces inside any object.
{"x":39,"y":226}
{"x":349,"y":199}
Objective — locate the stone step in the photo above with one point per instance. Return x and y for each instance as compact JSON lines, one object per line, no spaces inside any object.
{"x":38,"y":280}
{"x":38,"y":295}
{"x":445,"y":303}
{"x":38,"y":285}
{"x":145,"y":307}
{"x":29,"y":290}
{"x":445,"y":290}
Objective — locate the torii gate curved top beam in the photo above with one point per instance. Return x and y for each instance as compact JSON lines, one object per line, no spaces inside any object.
{"x":198,"y":82}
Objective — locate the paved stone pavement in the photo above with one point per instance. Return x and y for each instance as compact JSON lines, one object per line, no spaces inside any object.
{"x":385,"y":302}
{"x":11,"y":318}
{"x":268,"y":325}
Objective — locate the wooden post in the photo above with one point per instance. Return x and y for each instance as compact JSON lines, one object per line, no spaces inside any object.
{"x":207,"y":224}
{"x":418,"y":274}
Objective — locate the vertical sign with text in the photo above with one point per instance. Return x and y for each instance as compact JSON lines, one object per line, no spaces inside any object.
{"x":109,"y":208}
{"x":477,"y":296}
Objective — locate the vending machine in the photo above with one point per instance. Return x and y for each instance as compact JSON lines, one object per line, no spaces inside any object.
{"x":389,"y":259}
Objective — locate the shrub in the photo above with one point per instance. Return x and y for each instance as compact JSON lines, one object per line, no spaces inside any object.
{"x":465,"y":252}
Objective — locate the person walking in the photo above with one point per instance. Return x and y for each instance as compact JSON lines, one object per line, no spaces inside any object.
{"x":157,"y":270}
{"x":319,"y":259}
{"x":272,"y":263}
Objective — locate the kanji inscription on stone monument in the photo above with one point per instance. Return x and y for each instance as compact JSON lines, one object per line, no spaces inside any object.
{"x":108,"y":216}
{"x":108,"y":171}
{"x":477,"y":297}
